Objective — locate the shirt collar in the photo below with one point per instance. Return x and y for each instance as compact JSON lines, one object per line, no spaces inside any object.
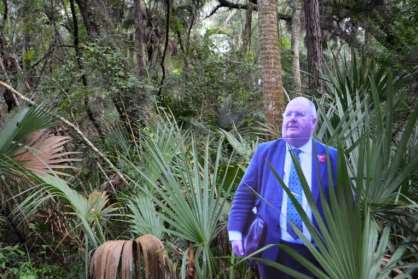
{"x":305,"y":149}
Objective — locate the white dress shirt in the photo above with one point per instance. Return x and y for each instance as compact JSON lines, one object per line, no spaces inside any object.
{"x":306,"y":165}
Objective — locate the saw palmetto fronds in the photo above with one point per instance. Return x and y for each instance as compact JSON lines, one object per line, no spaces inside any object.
{"x":92,"y":213}
{"x":25,"y":140}
{"x":20,"y":124}
{"x":43,"y":153}
{"x":144,"y":217}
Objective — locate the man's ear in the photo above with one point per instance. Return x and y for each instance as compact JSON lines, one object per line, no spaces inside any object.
{"x":314,"y":121}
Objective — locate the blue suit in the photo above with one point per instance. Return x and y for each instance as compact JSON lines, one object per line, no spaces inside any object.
{"x":260,"y":178}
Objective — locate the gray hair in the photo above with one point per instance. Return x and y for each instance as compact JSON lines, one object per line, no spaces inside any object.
{"x":311,"y":105}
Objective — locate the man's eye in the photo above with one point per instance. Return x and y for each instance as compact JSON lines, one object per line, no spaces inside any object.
{"x":295,"y":114}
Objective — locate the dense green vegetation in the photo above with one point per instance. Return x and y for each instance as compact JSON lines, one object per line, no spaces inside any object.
{"x":124,"y":118}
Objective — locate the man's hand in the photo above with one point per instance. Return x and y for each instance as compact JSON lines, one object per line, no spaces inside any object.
{"x":237,"y":248}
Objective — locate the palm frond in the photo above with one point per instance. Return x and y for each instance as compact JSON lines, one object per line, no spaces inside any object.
{"x":188,"y":197}
{"x":360,"y":111}
{"x":92,"y":213}
{"x":239,"y":143}
{"x":141,"y":258}
{"x":347,"y":240}
{"x":144,"y":218}
{"x":43,"y":153}
{"x":20,"y":124}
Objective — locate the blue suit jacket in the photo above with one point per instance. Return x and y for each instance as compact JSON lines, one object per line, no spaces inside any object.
{"x":260,"y":178}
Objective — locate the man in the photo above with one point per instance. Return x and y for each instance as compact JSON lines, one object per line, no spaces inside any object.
{"x":271,"y":201}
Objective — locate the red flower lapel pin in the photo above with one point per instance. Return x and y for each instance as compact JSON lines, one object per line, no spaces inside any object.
{"x":322,"y":158}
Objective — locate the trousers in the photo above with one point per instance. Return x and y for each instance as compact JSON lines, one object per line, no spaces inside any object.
{"x":268,"y":272}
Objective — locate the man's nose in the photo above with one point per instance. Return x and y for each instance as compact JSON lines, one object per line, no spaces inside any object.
{"x":292,"y":117}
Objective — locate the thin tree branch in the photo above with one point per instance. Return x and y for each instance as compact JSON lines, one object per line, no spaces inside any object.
{"x":189,"y":31}
{"x":231,"y":5}
{"x":214,"y":11}
{"x":227,"y":3}
{"x":50,"y":50}
{"x":40,"y":75}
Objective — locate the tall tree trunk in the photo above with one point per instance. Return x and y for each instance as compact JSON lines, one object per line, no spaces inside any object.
{"x":246,"y":36}
{"x":10,"y":100}
{"x":271,"y":68}
{"x":89,"y":111}
{"x":27,"y":45}
{"x":167,"y":34}
{"x":139,"y":37}
{"x":295,"y":40}
{"x":89,"y":18}
{"x":5,"y":12}
{"x":313,"y":44}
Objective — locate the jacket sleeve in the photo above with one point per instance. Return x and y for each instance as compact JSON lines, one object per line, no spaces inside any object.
{"x":245,"y":196}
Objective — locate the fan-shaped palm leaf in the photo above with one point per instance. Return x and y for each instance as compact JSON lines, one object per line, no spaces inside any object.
{"x":43,"y":153}
{"x":92,"y":213}
{"x":20,"y":124}
{"x":187,"y":193}
{"x":144,"y":217}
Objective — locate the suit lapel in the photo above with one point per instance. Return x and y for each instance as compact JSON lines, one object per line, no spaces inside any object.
{"x":318,"y":169}
{"x":275,"y":189}
{"x":281,"y":155}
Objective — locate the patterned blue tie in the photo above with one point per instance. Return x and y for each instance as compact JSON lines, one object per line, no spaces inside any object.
{"x":295,"y":187}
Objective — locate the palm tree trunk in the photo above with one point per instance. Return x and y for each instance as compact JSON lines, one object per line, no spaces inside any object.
{"x":271,"y":68}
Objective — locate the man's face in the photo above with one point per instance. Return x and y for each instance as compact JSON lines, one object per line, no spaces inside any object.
{"x":298,"y":122}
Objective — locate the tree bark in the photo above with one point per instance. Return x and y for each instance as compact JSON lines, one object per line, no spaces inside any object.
{"x":167,"y":33}
{"x":313,"y":44}
{"x":89,"y":18}
{"x":295,"y":41}
{"x":271,"y":69}
{"x":246,"y":36}
{"x":7,"y":67}
{"x":5,"y":12}
{"x":139,"y":37}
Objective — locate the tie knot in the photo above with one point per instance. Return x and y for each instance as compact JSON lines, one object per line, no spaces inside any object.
{"x":297,"y":152}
